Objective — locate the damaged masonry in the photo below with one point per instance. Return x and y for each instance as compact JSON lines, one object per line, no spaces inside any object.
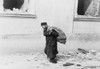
{"x":84,"y":59}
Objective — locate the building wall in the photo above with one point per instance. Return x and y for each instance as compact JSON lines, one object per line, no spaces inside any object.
{"x":24,"y":35}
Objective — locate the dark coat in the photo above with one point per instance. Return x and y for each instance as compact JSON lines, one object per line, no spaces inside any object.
{"x":51,"y":43}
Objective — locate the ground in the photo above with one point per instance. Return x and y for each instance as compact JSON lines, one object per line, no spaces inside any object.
{"x":14,"y":49}
{"x":39,"y":61}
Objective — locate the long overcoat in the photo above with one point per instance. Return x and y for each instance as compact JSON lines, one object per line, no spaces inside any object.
{"x":51,"y":43}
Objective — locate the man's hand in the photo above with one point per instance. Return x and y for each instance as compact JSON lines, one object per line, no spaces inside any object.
{"x":50,"y":30}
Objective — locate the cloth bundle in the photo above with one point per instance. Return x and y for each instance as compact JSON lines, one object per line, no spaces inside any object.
{"x":62,"y":37}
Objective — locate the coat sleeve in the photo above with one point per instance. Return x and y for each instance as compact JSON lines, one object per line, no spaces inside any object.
{"x":54,"y":33}
{"x":46,"y":33}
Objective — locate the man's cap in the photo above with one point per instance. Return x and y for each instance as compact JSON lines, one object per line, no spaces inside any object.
{"x":43,"y":23}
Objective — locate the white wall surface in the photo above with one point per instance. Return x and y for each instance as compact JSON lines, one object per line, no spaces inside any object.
{"x":25,"y":34}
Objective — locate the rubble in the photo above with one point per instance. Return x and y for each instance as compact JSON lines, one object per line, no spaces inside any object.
{"x":83,"y":51}
{"x":70,"y":60}
{"x":68,"y":64}
{"x":78,"y":64}
{"x":82,"y":56}
{"x":91,"y":67}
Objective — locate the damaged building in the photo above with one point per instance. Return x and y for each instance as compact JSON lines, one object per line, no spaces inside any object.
{"x":20,"y":29}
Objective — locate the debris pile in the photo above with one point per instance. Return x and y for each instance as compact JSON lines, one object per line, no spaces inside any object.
{"x":80,"y":56}
{"x":83,"y":54}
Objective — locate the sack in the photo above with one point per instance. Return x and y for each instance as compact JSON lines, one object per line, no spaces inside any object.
{"x":62,"y":37}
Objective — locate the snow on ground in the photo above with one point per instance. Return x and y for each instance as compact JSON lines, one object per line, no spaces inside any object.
{"x":39,"y":61}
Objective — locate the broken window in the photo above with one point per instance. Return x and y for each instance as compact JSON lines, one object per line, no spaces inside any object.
{"x":16,"y":5}
{"x":11,"y":4}
{"x":17,"y":8}
{"x":89,"y":8}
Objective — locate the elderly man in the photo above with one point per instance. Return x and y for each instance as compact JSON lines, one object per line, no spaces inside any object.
{"x":51,"y":42}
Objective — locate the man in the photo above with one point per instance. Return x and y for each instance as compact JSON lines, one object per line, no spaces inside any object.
{"x":51,"y":42}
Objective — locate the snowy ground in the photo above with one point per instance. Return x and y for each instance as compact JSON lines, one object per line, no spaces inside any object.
{"x":39,"y":61}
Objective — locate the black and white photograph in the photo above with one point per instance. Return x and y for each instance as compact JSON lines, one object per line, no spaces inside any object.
{"x":49,"y":34}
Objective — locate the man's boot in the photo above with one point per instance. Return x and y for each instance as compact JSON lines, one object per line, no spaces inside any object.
{"x":53,"y":60}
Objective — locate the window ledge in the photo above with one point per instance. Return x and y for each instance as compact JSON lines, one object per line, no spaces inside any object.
{"x":17,"y":15}
{"x":88,"y":19}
